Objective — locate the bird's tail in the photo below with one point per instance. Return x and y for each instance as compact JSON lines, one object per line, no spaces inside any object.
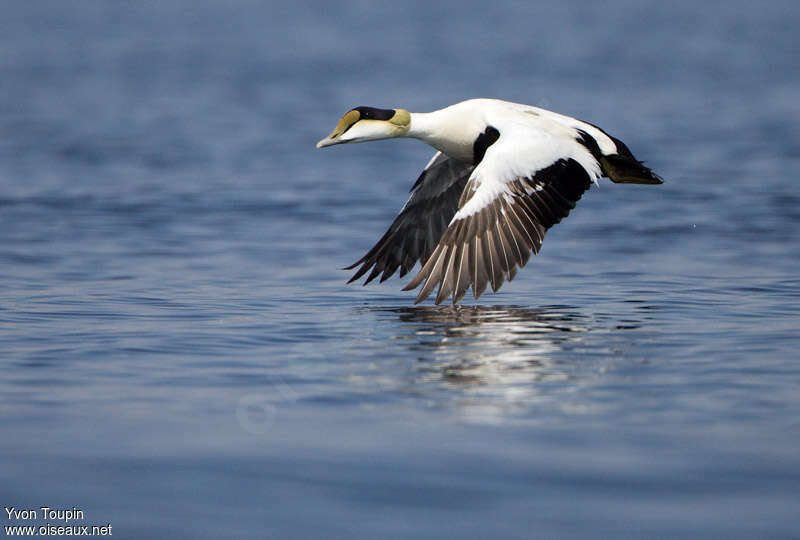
{"x":628,"y":170}
{"x":623,"y":168}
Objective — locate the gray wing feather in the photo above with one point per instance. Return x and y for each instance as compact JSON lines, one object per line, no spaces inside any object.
{"x":419,"y":226}
{"x":489,"y":246}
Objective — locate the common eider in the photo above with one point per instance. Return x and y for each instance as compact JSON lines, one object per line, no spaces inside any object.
{"x":503,"y":174}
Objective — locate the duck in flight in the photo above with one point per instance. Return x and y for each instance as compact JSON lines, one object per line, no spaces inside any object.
{"x":503,"y":174}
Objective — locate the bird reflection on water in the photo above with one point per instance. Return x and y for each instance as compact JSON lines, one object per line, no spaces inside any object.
{"x":490,"y":361}
{"x":493,"y":344}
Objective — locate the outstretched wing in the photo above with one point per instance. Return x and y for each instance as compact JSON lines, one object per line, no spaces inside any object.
{"x":513,"y":196}
{"x":418,"y":227}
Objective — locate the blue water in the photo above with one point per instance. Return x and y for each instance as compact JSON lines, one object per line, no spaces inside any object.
{"x":181,"y":357}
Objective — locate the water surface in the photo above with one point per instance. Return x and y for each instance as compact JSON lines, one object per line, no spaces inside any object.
{"x":181,"y":356}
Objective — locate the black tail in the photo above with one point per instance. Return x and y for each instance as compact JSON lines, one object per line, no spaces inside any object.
{"x":623,"y":168}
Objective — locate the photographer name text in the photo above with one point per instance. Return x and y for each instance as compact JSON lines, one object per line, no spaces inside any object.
{"x":58,"y":522}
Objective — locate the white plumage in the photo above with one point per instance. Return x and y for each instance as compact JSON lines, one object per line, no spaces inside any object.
{"x":504,"y":173}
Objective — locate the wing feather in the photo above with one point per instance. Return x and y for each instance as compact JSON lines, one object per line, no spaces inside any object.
{"x":489,"y":244}
{"x":481,"y":280}
{"x":419,"y":226}
{"x":463,"y":278}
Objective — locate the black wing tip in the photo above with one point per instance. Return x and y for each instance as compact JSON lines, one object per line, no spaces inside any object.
{"x":362,"y":261}
{"x":384,"y":273}
{"x":360,"y":272}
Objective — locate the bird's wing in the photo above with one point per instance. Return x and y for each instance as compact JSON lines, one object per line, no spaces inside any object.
{"x":528,"y":181}
{"x":418,"y":227}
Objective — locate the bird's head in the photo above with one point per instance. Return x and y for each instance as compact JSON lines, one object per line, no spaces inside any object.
{"x":368,"y":124}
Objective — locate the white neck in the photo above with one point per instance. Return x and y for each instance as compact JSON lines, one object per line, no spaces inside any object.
{"x":424,"y":126}
{"x":448,"y":130}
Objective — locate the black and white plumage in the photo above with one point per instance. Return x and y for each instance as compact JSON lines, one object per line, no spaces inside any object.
{"x":503,"y":174}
